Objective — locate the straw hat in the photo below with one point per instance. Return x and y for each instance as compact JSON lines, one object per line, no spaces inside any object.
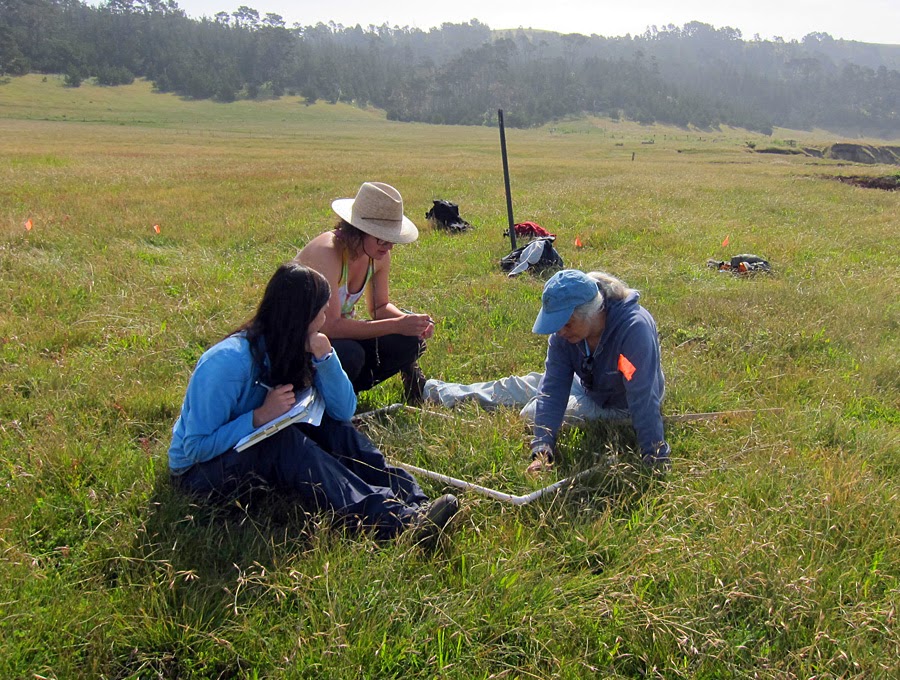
{"x":377,"y":210}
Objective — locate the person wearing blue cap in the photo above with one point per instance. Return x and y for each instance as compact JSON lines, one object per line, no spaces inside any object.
{"x":600,"y":334}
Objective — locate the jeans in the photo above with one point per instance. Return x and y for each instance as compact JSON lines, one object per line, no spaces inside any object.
{"x":329,"y":467}
{"x":521,"y":391}
{"x":369,"y":362}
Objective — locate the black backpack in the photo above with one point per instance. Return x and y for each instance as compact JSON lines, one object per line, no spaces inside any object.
{"x":750,"y":263}
{"x":445,"y":215}
{"x":742,"y":264}
{"x":548,"y":260}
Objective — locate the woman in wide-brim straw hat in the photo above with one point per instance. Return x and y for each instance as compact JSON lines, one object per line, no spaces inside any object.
{"x":355,"y":257}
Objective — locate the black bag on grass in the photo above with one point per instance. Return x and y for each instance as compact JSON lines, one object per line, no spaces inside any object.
{"x":538,"y":256}
{"x":445,"y":215}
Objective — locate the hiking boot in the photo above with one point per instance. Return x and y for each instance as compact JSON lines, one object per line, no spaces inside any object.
{"x":658,"y":462}
{"x":656,"y":466}
{"x":413,"y":384}
{"x":434,"y":517}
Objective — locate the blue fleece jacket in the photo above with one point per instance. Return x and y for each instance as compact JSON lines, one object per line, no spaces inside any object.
{"x":631,"y":333}
{"x":223,"y":392}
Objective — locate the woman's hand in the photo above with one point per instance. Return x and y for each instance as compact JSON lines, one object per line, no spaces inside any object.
{"x":418,"y":325}
{"x":318,"y":344}
{"x":279,"y":400}
{"x":428,"y":331}
{"x":541,"y":459}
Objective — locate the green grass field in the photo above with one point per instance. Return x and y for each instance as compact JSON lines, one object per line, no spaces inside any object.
{"x":771,"y":550}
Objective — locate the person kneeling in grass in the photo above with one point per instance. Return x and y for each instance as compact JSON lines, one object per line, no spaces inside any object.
{"x":355,"y":257}
{"x":330,"y":466}
{"x":599,"y":333}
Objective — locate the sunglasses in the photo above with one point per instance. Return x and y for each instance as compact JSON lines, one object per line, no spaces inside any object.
{"x":587,"y":368}
{"x":382,"y":243}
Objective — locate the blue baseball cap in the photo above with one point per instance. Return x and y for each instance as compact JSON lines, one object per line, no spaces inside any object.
{"x":565,"y":291}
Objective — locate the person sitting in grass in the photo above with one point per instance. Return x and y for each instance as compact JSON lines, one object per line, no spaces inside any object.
{"x":601,"y":334}
{"x":355,"y":255}
{"x":249,"y":378}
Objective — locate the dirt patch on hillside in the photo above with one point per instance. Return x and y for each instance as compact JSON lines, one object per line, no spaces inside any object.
{"x":888,"y":182}
{"x":783,"y":151}
{"x":864,"y":153}
{"x":844,"y":151}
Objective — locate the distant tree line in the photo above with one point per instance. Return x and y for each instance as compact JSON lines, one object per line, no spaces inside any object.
{"x":462,"y":73}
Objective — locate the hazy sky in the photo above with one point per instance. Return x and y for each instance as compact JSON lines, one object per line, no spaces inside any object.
{"x":875,"y":21}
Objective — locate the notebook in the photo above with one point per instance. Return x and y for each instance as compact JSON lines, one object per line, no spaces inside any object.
{"x":308,"y":408}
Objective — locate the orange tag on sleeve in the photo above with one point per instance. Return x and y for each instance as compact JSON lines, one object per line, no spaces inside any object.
{"x":626,"y":368}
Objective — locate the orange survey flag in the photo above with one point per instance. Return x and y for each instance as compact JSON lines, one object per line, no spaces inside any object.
{"x":578,"y":242}
{"x":28,"y":224}
{"x":156,"y":228}
{"x":725,"y":242}
{"x":626,"y":368}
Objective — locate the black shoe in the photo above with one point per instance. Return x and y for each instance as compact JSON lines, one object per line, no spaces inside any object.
{"x":657,"y":466}
{"x":413,"y":384}
{"x":429,"y":525}
{"x":658,"y":462}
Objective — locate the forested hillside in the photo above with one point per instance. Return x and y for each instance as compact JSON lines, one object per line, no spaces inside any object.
{"x":462,"y":73}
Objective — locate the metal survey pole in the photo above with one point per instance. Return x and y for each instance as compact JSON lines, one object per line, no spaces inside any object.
{"x":509,"y":210}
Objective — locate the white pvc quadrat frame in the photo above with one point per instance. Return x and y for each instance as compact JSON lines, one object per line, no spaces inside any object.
{"x":493,"y":493}
{"x":534,"y":495}
{"x":471,"y":486}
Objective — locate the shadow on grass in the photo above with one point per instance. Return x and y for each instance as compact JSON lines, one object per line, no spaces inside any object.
{"x":189,"y":559}
{"x":620,"y":479}
{"x":216,"y":535}
{"x":585,"y":525}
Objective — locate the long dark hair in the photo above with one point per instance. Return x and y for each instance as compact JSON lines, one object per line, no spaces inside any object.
{"x":294,"y":297}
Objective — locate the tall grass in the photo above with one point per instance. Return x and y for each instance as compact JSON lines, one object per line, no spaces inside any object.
{"x":770,"y":550}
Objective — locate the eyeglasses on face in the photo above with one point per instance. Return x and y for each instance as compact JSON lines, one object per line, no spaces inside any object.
{"x":382,"y":243}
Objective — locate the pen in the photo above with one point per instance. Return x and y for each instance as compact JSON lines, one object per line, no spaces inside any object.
{"x":262,"y":384}
{"x":408,"y":311}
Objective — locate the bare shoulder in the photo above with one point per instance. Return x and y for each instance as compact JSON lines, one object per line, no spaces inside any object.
{"x":323,"y":254}
{"x":322,"y":243}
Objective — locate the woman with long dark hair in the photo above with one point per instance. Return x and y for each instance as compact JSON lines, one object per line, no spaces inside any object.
{"x":251,"y":377}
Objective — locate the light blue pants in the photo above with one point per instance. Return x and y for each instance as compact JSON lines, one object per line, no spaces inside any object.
{"x":518,"y":391}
